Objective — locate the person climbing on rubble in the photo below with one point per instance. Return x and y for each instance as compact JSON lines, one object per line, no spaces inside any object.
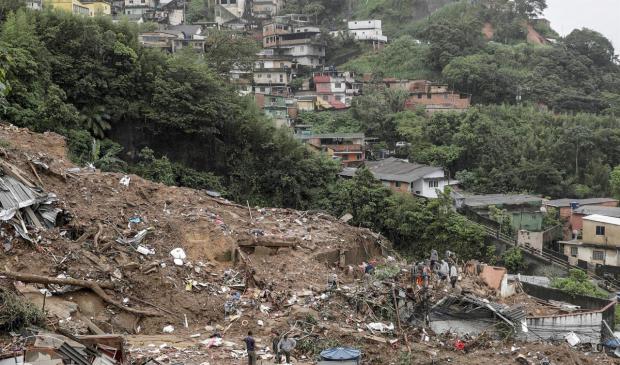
{"x":454,"y":275}
{"x":286,"y":346}
{"x":275,"y":341}
{"x":434,"y":259}
{"x":250,"y":344}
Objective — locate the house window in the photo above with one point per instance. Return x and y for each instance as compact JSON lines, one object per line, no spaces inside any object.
{"x":338,"y":85}
{"x":281,"y":78}
{"x":433,"y":184}
{"x":397,"y":184}
{"x":420,"y":96}
{"x":428,"y":96}
{"x":600,"y":230}
{"x":574,"y":251}
{"x":345,"y":157}
{"x":598,"y":255}
{"x":262,"y":89}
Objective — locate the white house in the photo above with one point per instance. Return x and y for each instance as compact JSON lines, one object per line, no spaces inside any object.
{"x":228,"y":10}
{"x":407,"y":177}
{"x":367,"y":30}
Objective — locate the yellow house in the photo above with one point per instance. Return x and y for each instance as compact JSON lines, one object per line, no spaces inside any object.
{"x":600,"y":243}
{"x":87,"y":8}
{"x":98,"y":8}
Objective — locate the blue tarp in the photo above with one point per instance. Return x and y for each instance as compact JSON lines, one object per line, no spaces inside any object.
{"x":341,"y":353}
{"x":613,"y":343}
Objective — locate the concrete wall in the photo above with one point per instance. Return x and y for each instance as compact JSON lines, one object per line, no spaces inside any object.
{"x":530,"y":239}
{"x":585,"y":253}
{"x":611,"y":237}
{"x":587,"y":325}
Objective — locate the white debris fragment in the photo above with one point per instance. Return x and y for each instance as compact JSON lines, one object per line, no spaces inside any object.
{"x":125,"y":180}
{"x":179,"y":255}
{"x":168,"y":329}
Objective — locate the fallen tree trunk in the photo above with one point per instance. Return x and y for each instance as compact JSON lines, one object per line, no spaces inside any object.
{"x":94,"y":286}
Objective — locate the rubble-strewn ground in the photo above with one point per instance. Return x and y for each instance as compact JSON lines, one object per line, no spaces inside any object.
{"x":284,"y":285}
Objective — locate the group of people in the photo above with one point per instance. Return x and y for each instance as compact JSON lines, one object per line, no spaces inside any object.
{"x":282,"y":346}
{"x":445,"y":269}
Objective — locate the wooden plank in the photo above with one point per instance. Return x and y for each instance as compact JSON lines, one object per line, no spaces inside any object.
{"x":265,"y":243}
{"x":33,"y":217}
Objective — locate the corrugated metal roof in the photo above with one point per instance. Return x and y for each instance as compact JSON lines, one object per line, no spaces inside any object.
{"x":500,"y":199}
{"x":607,"y":211}
{"x":567,"y":201}
{"x":603,"y":219}
{"x":393,"y":169}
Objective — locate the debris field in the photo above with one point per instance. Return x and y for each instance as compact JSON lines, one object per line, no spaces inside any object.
{"x":131,"y":271}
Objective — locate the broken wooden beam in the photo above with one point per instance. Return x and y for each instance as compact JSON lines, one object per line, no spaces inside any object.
{"x":94,"y":286}
{"x":265,"y":243}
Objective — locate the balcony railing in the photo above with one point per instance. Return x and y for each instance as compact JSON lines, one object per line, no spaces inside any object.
{"x":346,"y":147}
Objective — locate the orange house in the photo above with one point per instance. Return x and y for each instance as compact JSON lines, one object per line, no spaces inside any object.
{"x":348,"y":147}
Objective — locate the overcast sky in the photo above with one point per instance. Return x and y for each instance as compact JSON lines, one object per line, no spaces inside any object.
{"x":600,"y":15}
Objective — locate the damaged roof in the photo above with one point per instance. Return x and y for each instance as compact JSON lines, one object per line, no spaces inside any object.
{"x":393,"y":169}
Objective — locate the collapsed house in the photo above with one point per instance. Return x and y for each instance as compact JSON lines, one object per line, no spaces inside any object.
{"x":553,"y":314}
{"x":24,"y":206}
{"x":45,"y":348}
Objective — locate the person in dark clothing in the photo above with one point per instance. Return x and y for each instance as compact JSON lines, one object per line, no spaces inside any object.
{"x":274,"y":346}
{"x":251,"y":347}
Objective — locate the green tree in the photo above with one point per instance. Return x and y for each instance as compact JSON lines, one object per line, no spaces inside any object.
{"x":514,"y":261}
{"x":592,"y":45}
{"x":225,"y":50}
{"x":578,"y":283}
{"x":614,"y":182}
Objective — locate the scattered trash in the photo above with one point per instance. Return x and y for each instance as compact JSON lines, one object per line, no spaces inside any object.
{"x":459,"y":345}
{"x":572,"y":339}
{"x":168,"y":329}
{"x":179,"y":255}
{"x":145,"y":250}
{"x":380,"y":327}
{"x":135,"y":220}
{"x":125,"y":180}
{"x":346,"y":218}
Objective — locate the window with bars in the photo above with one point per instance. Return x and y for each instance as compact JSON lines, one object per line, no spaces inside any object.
{"x":598,"y":255}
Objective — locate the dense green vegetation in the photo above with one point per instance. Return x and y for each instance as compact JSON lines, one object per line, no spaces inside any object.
{"x":574,"y":74}
{"x":89,"y":79}
{"x":519,"y":148}
{"x":174,"y":119}
{"x":578,"y":283}
{"x":415,"y":225}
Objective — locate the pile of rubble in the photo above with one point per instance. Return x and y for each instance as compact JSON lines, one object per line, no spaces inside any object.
{"x":183,"y":275}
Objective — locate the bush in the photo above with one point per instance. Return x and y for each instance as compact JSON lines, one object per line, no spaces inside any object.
{"x":15,"y":313}
{"x":513,"y":260}
{"x":578,"y":283}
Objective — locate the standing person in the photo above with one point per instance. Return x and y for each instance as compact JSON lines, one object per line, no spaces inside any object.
{"x":434,"y":258}
{"x":250,"y":345}
{"x":454,"y":275}
{"x":286,"y":346}
{"x":274,"y":346}
{"x":426,"y":274}
{"x":444,"y":270}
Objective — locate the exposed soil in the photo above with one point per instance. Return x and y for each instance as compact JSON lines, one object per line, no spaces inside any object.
{"x":285,"y":282}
